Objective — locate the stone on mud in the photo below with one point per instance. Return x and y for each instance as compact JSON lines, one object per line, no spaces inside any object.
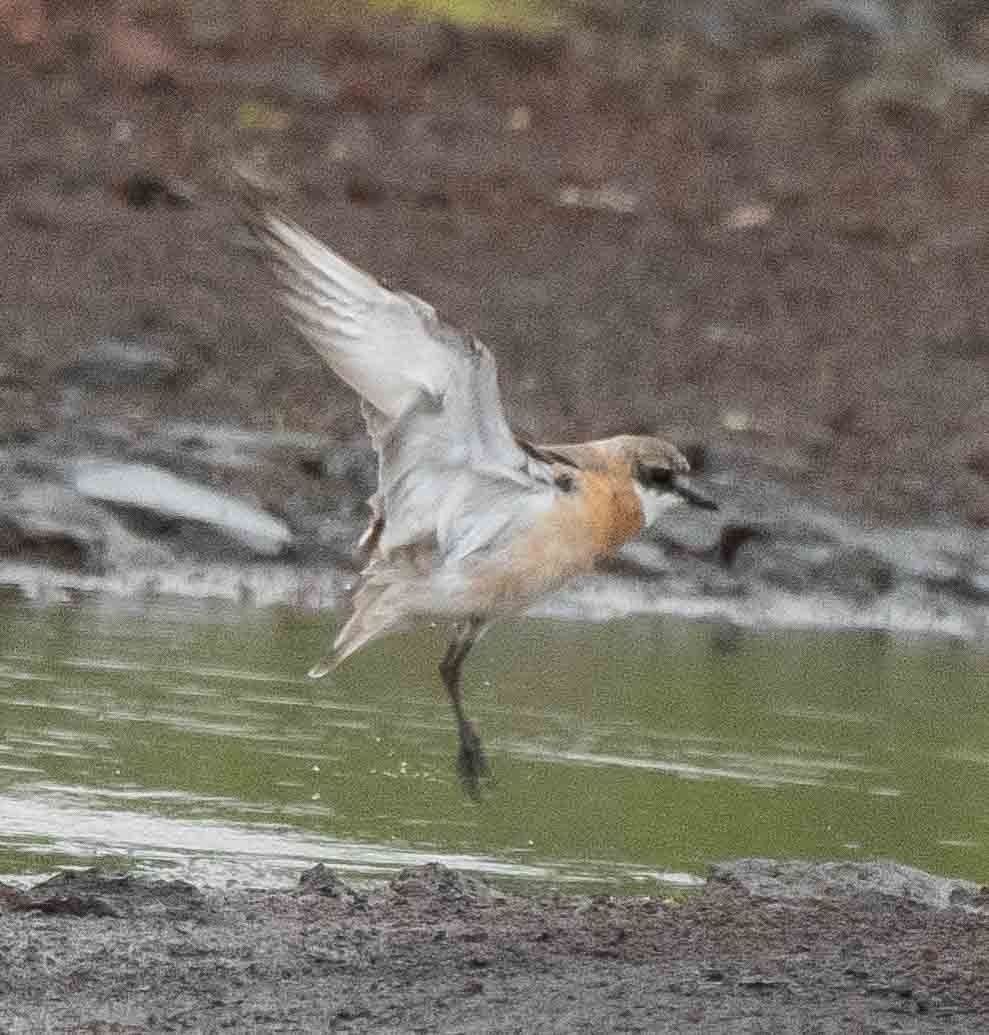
{"x":145,"y":487}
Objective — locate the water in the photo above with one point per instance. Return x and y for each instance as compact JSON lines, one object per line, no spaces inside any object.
{"x":186,"y":740}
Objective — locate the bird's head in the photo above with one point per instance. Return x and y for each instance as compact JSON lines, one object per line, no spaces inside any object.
{"x":661,"y":473}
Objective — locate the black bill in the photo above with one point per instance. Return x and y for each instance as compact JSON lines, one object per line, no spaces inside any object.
{"x":684,"y":488}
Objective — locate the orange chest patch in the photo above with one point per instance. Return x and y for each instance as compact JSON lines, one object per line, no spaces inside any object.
{"x":598,"y":517}
{"x":609,"y":509}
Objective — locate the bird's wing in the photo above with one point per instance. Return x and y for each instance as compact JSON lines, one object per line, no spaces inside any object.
{"x":430,"y":392}
{"x":595,"y":455}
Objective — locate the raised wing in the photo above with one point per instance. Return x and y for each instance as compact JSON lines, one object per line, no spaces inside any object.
{"x":430,"y":392}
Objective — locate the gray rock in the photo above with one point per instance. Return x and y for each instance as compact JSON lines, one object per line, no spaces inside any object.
{"x":113,"y":362}
{"x":154,"y":489}
{"x":796,"y":879}
{"x":42,"y":520}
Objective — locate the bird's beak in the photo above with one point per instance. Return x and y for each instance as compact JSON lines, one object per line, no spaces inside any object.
{"x":684,"y":488}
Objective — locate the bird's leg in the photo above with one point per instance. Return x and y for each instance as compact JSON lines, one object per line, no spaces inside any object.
{"x":471,"y":763}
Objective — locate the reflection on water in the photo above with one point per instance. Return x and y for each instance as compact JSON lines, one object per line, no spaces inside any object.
{"x":187,"y":738}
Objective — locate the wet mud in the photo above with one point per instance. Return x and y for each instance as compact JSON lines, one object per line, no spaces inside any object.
{"x":764,"y":947}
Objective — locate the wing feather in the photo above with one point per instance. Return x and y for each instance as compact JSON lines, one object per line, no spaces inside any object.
{"x":374,"y":339}
{"x":430,"y":395}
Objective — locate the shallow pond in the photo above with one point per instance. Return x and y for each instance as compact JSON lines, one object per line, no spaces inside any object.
{"x":186,"y":739}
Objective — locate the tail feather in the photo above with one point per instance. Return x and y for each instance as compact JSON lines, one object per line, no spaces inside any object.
{"x":385,"y":603}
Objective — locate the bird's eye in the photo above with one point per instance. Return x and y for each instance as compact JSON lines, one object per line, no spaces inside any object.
{"x":660,"y":477}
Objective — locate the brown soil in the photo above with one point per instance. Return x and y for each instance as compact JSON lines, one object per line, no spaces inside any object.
{"x":436,"y":952}
{"x":732,"y":246}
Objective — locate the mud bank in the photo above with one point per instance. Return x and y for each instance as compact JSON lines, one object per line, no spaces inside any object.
{"x":768,"y":559}
{"x":765,"y":946}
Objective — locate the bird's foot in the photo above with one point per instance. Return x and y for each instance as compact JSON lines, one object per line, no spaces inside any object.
{"x":472,"y":765}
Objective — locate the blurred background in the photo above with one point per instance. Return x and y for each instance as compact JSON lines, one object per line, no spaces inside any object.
{"x":759,"y":227}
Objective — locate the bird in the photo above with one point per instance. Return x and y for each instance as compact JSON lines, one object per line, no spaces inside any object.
{"x":470,"y":522}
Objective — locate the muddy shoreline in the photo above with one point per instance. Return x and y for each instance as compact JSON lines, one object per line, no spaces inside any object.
{"x":765,"y":946}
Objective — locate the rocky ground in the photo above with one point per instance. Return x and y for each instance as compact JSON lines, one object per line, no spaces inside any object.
{"x":841,"y":948}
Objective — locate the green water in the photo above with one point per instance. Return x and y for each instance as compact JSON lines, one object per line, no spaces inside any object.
{"x":186,"y":739}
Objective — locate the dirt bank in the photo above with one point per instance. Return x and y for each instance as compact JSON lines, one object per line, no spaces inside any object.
{"x":736,"y":246}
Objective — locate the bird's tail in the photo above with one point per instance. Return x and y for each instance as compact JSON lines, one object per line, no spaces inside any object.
{"x":388,"y":601}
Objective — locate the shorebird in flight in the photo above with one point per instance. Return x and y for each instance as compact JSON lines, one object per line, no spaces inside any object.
{"x":469,"y":522}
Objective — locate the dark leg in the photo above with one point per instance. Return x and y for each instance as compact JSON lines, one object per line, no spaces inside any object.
{"x":471,"y":763}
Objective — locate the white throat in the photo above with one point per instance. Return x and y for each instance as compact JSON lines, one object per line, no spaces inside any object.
{"x":655,"y":503}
